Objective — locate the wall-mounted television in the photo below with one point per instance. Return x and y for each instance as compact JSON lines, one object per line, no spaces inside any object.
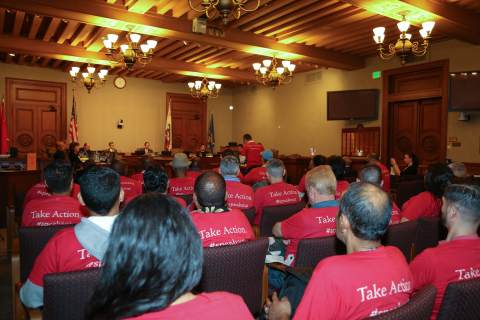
{"x":464,"y":91}
{"x":352,"y":104}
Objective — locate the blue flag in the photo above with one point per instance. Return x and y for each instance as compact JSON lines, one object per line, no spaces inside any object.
{"x":211,"y":136}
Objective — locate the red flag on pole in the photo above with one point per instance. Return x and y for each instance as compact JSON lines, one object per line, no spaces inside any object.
{"x":73,"y":122}
{"x":3,"y":131}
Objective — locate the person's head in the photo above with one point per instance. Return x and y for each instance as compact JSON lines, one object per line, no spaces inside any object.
{"x":86,"y":146}
{"x":139,"y":275}
{"x":364,"y":213}
{"x":247,"y":138}
{"x":60,"y":145}
{"x":371,"y":173}
{"x":320,"y":181}
{"x":111,"y":145}
{"x":74,"y":147}
{"x":67,"y":144}
{"x":147,"y":161}
{"x":266,"y":155}
{"x":316,"y":161}
{"x":461,"y":206}
{"x":196,"y":163}
{"x":100,"y":191}
{"x":59,"y":155}
{"x":155,"y":179}
{"x":229,"y":166}
{"x":210,"y":190}
{"x":459,"y":169}
{"x":202,"y":147}
{"x":59,"y":177}
{"x":411,"y":159}
{"x":437,"y":178}
{"x":372,"y":158}
{"x":180,"y":164}
{"x":227,"y":152}
{"x":147,"y":145}
{"x":275,"y":170}
{"x":348,"y":161}
{"x":338,"y":166}
{"x":88,"y":163}
{"x":120,"y":167}
{"x":239,"y":147}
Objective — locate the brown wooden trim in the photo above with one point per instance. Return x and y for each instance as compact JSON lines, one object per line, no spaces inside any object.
{"x":424,"y":94}
{"x":472,"y":167}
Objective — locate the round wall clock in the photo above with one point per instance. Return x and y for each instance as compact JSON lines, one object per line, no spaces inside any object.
{"x":120,"y":82}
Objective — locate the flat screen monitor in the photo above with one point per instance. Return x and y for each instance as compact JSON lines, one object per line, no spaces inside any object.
{"x":352,"y":104}
{"x":464,"y":91}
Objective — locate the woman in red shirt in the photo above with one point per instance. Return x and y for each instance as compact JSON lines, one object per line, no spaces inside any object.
{"x":429,"y":202}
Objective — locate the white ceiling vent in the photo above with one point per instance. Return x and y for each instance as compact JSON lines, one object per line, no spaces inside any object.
{"x":314,"y":77}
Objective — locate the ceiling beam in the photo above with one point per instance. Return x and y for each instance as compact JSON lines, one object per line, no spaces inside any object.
{"x":113,"y":16}
{"x":21,"y":59}
{"x":45,"y":62}
{"x":51,"y":29}
{"x":37,"y":20}
{"x":33,"y":61}
{"x":142,"y":6}
{"x":17,"y":26}
{"x":67,"y":32}
{"x":2,"y":19}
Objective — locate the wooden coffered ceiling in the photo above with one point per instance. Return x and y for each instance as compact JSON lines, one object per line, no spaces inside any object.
{"x":313,"y":34}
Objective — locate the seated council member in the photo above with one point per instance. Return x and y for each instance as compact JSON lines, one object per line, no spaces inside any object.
{"x":74,"y":149}
{"x":369,"y":280}
{"x":141,"y":280}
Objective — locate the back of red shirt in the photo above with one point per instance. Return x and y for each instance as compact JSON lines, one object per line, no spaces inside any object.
{"x":193,"y":174}
{"x":180,"y":200}
{"x":54,"y":210}
{"x":273,"y":195}
{"x":41,"y":190}
{"x":256,"y":174}
{"x":130,"y":187}
{"x":396,"y":215}
{"x":240,"y":196}
{"x":341,"y":187}
{"x":357,"y":286}
{"x":385,"y":177}
{"x":301,"y":185}
{"x":139,"y":178}
{"x":252,"y":153}
{"x":222,"y":228}
{"x":422,"y":205}
{"x":181,"y":186}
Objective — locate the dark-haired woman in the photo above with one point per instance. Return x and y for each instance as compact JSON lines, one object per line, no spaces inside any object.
{"x":411,"y":165}
{"x":429,"y":202}
{"x":74,"y":149}
{"x":153,"y":261}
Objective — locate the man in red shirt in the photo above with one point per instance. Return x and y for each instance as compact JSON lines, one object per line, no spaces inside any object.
{"x":226,"y":153}
{"x":181,"y":184}
{"x":458,"y":257}
{"x":156,"y":181}
{"x":41,"y":190}
{"x":59,"y":208}
{"x":275,"y":194}
{"x":147,"y":162}
{"x":130,"y":187}
{"x":195,"y":168}
{"x":372,"y":158}
{"x":240,"y":196}
{"x":217,"y":224}
{"x":316,"y":161}
{"x":83,"y":246}
{"x":260,"y":173}
{"x":338,"y":167}
{"x":251,"y":153}
{"x":369,"y":280}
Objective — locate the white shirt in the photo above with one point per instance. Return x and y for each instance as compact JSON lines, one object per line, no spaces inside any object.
{"x":112,"y":150}
{"x":104,"y":222}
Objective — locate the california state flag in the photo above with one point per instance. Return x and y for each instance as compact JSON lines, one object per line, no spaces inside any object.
{"x":168,"y":128}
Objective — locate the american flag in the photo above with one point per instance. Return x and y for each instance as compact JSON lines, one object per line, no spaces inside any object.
{"x":73,"y":122}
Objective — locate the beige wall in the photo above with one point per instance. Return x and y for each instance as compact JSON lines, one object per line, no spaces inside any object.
{"x":141,"y":105}
{"x":292,"y":119}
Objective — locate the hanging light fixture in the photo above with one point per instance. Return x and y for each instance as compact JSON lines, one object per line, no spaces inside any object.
{"x":225,"y":8}
{"x":274,"y":76}
{"x":404,"y":47}
{"x":128,"y":53}
{"x":89,"y":81}
{"x":204,"y":89}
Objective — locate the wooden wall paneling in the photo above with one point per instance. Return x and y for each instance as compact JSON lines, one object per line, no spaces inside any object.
{"x":360,"y":138}
{"x":430,"y":131}
{"x":404,"y":130}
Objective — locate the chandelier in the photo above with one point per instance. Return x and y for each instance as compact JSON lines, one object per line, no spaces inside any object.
{"x":403,"y":47}
{"x":128,"y":53}
{"x":274,"y":76}
{"x":89,"y":81}
{"x":224,"y":8}
{"x":209,"y":89}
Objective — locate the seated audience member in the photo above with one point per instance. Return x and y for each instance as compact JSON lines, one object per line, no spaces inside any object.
{"x":217,"y":224}
{"x":229,"y":153}
{"x":459,"y":169}
{"x":275,"y":194}
{"x":41,"y":190}
{"x":251,"y":153}
{"x":87,"y":165}
{"x":411,"y":165}
{"x":59,"y":208}
{"x":180,"y":184}
{"x":240,"y":196}
{"x":67,"y":145}
{"x":372,"y":158}
{"x":74,"y":149}
{"x":86,"y":151}
{"x":369,"y":280}
{"x":338,"y":167}
{"x":316,"y":161}
{"x":259,"y":173}
{"x":239,"y":148}
{"x":83,"y":246}
{"x":456,"y":257}
{"x":195,"y":168}
{"x":147,"y":162}
{"x":130,"y":187}
{"x":142,"y":281}
{"x":372,"y":173}
{"x":147,"y":148}
{"x":429,"y":202}
{"x":349,"y":171}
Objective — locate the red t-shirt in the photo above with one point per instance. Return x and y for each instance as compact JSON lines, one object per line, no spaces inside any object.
{"x":62,"y":253}
{"x":41,"y":190}
{"x":206,"y":306}
{"x":341,"y":187}
{"x":240,"y":196}
{"x":54,"y":210}
{"x":309,"y":223}
{"x":180,"y":200}
{"x":240,"y":175}
{"x":396,"y":215}
{"x":357,"y":286}
{"x":301,"y":185}
{"x":273,"y":195}
{"x":256,"y":174}
{"x":385,"y":177}
{"x":181,"y":186}
{"x":456,"y":260}
{"x":193,"y":174}
{"x":222,"y":228}
{"x":130,"y":187}
{"x":422,"y":205}
{"x":251,"y":151}
{"x":139,"y":178}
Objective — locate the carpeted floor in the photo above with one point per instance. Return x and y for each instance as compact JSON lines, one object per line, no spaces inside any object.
{"x":6,"y":307}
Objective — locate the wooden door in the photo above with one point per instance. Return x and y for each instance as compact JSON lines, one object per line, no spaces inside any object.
{"x":188,"y":121}
{"x":404,"y":133}
{"x":38,"y":115}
